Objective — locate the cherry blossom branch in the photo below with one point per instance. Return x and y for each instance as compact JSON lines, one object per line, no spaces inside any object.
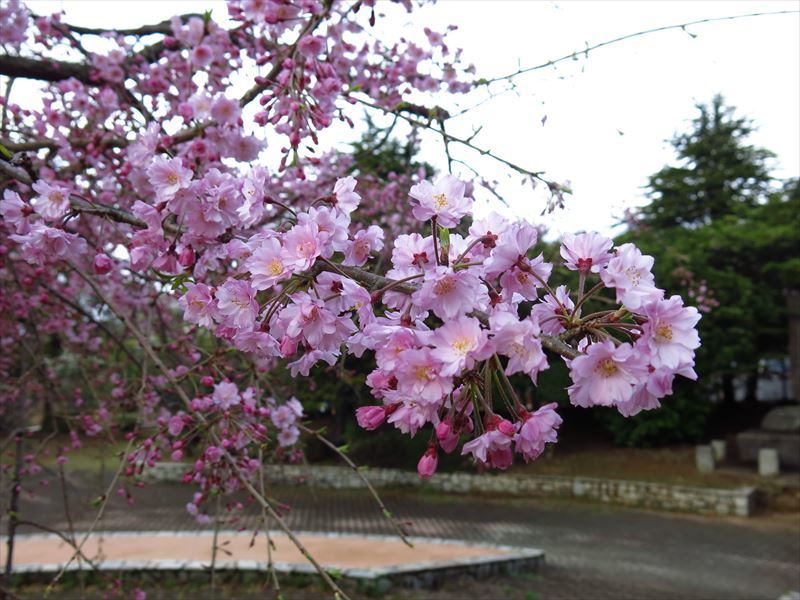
{"x":164,"y":27}
{"x":147,"y":347}
{"x":46,"y":70}
{"x":85,"y":313}
{"x":464,"y":142}
{"x":585,"y":51}
{"x":553,"y":343}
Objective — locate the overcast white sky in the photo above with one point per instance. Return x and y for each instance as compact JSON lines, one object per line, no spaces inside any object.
{"x":608,"y":116}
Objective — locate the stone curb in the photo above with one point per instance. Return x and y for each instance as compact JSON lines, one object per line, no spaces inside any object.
{"x":738,"y":502}
{"x":425,"y":574}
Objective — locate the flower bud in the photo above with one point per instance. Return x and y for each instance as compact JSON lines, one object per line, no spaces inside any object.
{"x":186,"y":257}
{"x":370,"y":417}
{"x":102,"y":263}
{"x":428,"y":463}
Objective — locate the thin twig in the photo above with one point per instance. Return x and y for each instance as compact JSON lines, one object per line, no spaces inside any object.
{"x":585,"y":51}
{"x":398,"y":527}
{"x":100,"y":512}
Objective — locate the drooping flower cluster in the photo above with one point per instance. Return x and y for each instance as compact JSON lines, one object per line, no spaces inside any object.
{"x":446,"y":322}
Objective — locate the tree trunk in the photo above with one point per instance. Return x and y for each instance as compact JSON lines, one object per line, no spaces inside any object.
{"x":793,"y":310}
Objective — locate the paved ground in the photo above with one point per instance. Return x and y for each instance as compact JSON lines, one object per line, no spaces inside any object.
{"x":592,"y":551}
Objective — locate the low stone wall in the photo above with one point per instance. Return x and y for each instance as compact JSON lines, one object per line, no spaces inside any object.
{"x":739,"y":502}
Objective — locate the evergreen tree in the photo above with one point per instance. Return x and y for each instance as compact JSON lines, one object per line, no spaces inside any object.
{"x":717,"y":171}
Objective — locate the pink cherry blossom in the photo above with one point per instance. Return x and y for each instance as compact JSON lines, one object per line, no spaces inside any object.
{"x":371,"y":417}
{"x":364,"y":243}
{"x":456,"y":344}
{"x":525,"y":278}
{"x":102,"y":263}
{"x":450,"y":293}
{"x":669,"y":333}
{"x":585,"y":252}
{"x":428,"y":463}
{"x":494,"y":443}
{"x":444,"y":200}
{"x":629,"y":272}
{"x":518,"y":340}
{"x":225,"y":110}
{"x":420,"y":376}
{"x":199,"y":304}
{"x":301,"y":246}
{"x":412,"y":253}
{"x":537,"y":429}
{"x":52,"y":201}
{"x":606,"y":375}
{"x":447,"y":435}
{"x":15,"y":211}
{"x":168,"y":176}
{"x":226,"y":394}
{"x":236,"y":303}
{"x":347,"y":200}
{"x":511,"y":248}
{"x":549,"y":310}
{"x":266,"y":264}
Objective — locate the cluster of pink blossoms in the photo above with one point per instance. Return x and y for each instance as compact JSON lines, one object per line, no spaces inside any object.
{"x":445,"y":322}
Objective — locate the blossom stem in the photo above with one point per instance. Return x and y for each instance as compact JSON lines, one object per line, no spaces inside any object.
{"x":584,"y":297}
{"x":334,"y":266}
{"x":505,"y":379}
{"x":467,"y":249}
{"x":550,"y":291}
{"x":395,"y":283}
{"x":435,"y":236}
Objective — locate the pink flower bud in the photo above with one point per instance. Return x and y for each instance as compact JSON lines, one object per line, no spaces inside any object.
{"x":186,"y":257}
{"x":102,"y":263}
{"x":370,"y":417}
{"x":288,"y":346}
{"x":428,"y":463}
{"x":506,"y":427}
{"x":175,"y":425}
{"x":448,"y":439}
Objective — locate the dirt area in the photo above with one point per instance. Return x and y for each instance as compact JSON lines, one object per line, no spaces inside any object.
{"x":332,"y":552}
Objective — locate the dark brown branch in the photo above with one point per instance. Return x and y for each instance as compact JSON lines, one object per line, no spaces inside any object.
{"x":45,"y":70}
{"x":77,"y":307}
{"x":29,"y":146}
{"x":464,"y":142}
{"x":164,"y":27}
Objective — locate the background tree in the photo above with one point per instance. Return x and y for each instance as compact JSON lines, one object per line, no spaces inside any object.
{"x":717,"y":171}
{"x":724,"y":235}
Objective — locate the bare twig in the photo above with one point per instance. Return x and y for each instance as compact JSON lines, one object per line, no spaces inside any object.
{"x":585,"y":51}
{"x":96,"y":520}
{"x":398,"y":527}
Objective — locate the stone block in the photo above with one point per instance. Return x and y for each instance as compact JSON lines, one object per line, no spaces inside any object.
{"x":704,"y":459}
{"x":783,"y":418}
{"x":768,"y":462}
{"x":786,"y":443}
{"x":719,"y":448}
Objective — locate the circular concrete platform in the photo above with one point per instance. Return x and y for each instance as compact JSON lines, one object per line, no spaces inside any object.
{"x":356,"y":556}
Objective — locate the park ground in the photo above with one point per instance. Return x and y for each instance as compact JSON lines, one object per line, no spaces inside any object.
{"x":592,"y":551}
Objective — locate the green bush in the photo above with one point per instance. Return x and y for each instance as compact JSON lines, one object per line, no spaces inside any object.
{"x":682,"y":418}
